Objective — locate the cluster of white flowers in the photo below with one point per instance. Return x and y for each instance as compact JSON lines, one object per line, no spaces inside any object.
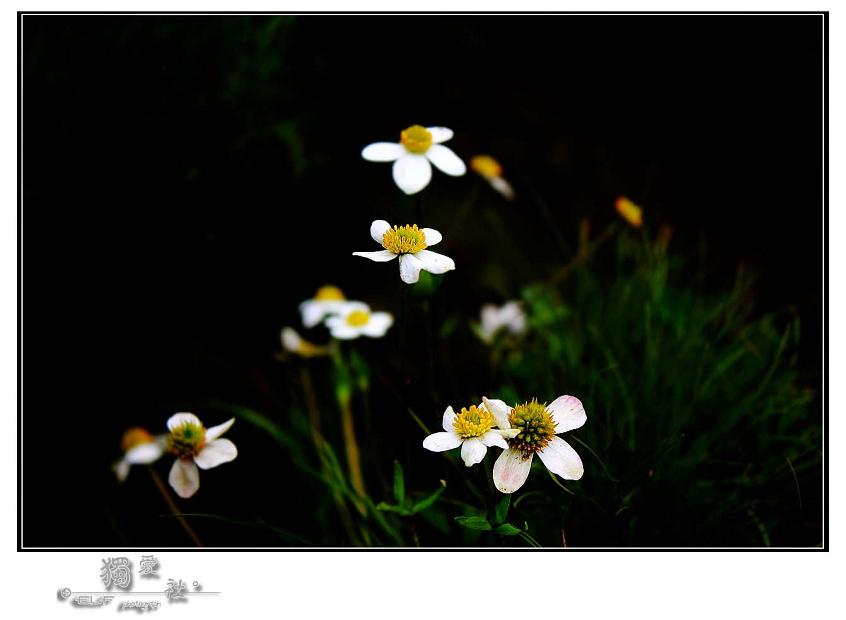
{"x":193,"y":445}
{"x":345,"y":319}
{"x":522,"y":431}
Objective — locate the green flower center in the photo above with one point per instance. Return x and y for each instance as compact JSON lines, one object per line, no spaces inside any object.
{"x":536,"y":426}
{"x":473,"y":422}
{"x":404,"y":239}
{"x":186,"y":440}
{"x":416,"y":139}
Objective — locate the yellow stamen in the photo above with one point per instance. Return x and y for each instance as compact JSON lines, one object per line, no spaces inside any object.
{"x":486,"y":166}
{"x":186,"y":440}
{"x":329,"y":293}
{"x":404,"y":239}
{"x":416,"y":139}
{"x":357,"y":318}
{"x":473,"y":422}
{"x":629,"y":211}
{"x":135,"y":436}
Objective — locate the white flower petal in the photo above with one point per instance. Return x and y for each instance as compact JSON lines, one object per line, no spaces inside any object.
{"x":503,"y":187}
{"x":216,"y":453}
{"x":434,"y":262}
{"x":343,"y":331}
{"x":383,"y":151}
{"x":351,"y":306}
{"x":440,"y":134}
{"x":412,"y":173}
{"x":448,"y":419}
{"x":378,"y":325}
{"x":216,"y":431}
{"x":492,"y":438}
{"x":511,"y":470}
{"x":560,"y":458}
{"x":432,"y":236}
{"x":121,"y":469}
{"x":499,"y":410}
{"x":178,"y":419}
{"x":567,"y":412}
{"x":490,"y":317}
{"x":378,"y":229}
{"x":144,"y":453}
{"x":473,"y":451}
{"x":439,"y":442}
{"x":410,"y":267}
{"x":445,"y":160}
{"x":184,"y":477}
{"x":380,"y":256}
{"x":290,"y":339}
{"x":313,"y":311}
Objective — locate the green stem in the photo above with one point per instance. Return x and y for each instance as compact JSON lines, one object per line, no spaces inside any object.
{"x":532,"y":542}
{"x":174,"y":509}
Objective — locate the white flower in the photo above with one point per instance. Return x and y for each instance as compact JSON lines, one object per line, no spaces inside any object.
{"x":510,"y":316}
{"x":139,"y":448}
{"x":292,"y":342}
{"x":472,"y":429}
{"x":490,"y":170}
{"x":411,"y":156}
{"x":195,"y":446}
{"x":326,"y":301}
{"x":409,"y":243}
{"x":355,"y":319}
{"x":537,"y":425}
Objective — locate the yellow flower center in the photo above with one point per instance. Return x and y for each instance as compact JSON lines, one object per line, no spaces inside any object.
{"x":536,"y":426}
{"x":329,"y":293}
{"x":473,"y":422}
{"x":186,"y":440}
{"x":357,"y":318}
{"x":404,"y":239}
{"x":416,"y":139}
{"x":629,"y":211}
{"x":486,"y":166}
{"x":135,"y":437}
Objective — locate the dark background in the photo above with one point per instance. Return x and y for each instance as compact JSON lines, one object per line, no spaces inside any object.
{"x":189,"y":180}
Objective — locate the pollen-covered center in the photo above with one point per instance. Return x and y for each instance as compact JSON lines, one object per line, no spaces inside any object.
{"x":473,"y":422}
{"x":416,"y":139}
{"x":357,"y":318}
{"x":486,"y":166}
{"x":186,"y":439}
{"x":135,"y":437}
{"x":329,"y":293}
{"x":536,"y":426}
{"x":404,"y":239}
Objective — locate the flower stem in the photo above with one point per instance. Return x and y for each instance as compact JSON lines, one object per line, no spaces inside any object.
{"x":419,"y":210}
{"x":174,"y":509}
{"x":353,"y":455}
{"x":343,"y":393}
{"x":583,"y":255}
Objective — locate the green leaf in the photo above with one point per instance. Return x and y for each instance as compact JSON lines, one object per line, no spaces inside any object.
{"x":501,"y":510}
{"x":506,"y":529}
{"x":399,"y":484}
{"x":386,"y":507}
{"x":423,"y":504}
{"x":474,"y":523}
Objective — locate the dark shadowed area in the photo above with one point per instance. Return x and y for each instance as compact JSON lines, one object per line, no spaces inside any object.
{"x":188,"y":181}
